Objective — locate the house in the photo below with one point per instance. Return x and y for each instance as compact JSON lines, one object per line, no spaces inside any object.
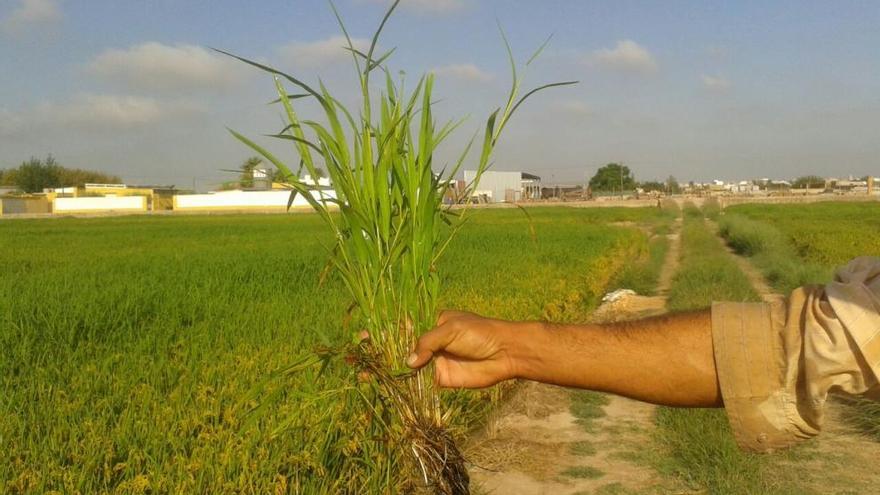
{"x":504,"y":187}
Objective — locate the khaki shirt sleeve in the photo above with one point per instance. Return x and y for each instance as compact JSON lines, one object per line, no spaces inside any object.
{"x":777,"y":362}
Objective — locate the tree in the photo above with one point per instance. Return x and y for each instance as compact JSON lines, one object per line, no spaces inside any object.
{"x":78,"y":177}
{"x":808,"y":182}
{"x":613,"y":177}
{"x":8,"y":177}
{"x":246,"y":178}
{"x":35,"y":175}
{"x":652,"y":186}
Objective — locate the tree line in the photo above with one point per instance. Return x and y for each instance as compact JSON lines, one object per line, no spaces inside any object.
{"x":616,"y":177}
{"x":35,"y":174}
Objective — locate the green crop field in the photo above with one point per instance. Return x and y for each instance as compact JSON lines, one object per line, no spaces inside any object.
{"x":829,"y":234}
{"x":132,"y":346}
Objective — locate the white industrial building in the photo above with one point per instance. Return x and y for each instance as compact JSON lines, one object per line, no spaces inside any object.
{"x":505,"y":187}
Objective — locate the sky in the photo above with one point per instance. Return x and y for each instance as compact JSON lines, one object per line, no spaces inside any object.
{"x":698,"y":90}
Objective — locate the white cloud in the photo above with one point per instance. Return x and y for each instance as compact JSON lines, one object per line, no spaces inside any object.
{"x":320,"y":53}
{"x":156,"y":66}
{"x":96,"y":112}
{"x":715,"y":83}
{"x":427,"y":6}
{"x":467,"y":72}
{"x":30,"y":13}
{"x":626,"y":56}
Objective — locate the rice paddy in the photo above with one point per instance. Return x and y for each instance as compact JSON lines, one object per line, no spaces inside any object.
{"x":133,"y":346}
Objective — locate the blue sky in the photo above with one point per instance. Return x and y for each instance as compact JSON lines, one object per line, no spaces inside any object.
{"x":698,"y":90}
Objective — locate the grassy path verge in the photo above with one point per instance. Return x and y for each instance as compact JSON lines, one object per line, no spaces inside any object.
{"x":699,"y":449}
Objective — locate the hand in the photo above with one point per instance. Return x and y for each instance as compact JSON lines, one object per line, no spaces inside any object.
{"x":469,"y":351}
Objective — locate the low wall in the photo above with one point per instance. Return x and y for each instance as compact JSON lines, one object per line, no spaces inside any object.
{"x":18,"y":206}
{"x":241,"y":200}
{"x":100,"y":204}
{"x":817,"y":198}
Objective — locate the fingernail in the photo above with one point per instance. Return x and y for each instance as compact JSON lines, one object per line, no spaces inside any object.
{"x":412,"y":358}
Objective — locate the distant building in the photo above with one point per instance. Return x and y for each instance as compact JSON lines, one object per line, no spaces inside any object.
{"x":850,"y":186}
{"x":745,"y":187}
{"x":505,"y":187}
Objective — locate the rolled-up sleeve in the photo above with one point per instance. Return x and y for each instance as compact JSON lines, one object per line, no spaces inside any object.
{"x":777,"y":362}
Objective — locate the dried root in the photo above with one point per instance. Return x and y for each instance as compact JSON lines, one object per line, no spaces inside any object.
{"x":434,"y":454}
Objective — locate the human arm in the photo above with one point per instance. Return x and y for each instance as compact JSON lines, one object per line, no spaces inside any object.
{"x":664,"y":360}
{"x":773,"y":364}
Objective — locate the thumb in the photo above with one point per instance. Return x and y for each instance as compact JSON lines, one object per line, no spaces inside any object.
{"x":429,"y":344}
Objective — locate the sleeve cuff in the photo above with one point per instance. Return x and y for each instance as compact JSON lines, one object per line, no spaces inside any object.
{"x":750,"y":363}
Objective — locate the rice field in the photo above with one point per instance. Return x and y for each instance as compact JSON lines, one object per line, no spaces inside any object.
{"x":133,"y":346}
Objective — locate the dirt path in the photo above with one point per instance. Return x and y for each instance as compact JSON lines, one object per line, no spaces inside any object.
{"x":841,"y":460}
{"x":535,"y":444}
{"x":673,"y":257}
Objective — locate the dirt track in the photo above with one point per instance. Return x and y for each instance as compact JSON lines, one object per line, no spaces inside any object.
{"x":533,"y":440}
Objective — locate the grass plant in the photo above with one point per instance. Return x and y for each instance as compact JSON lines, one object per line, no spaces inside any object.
{"x":772,"y":252}
{"x":388,"y":238}
{"x":582,"y":448}
{"x":586,"y":406}
{"x":711,"y":208}
{"x":583,"y":472}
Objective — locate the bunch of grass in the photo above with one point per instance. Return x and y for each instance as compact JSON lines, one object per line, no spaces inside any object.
{"x":772,"y":251}
{"x":390,"y":226}
{"x":711,"y":208}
